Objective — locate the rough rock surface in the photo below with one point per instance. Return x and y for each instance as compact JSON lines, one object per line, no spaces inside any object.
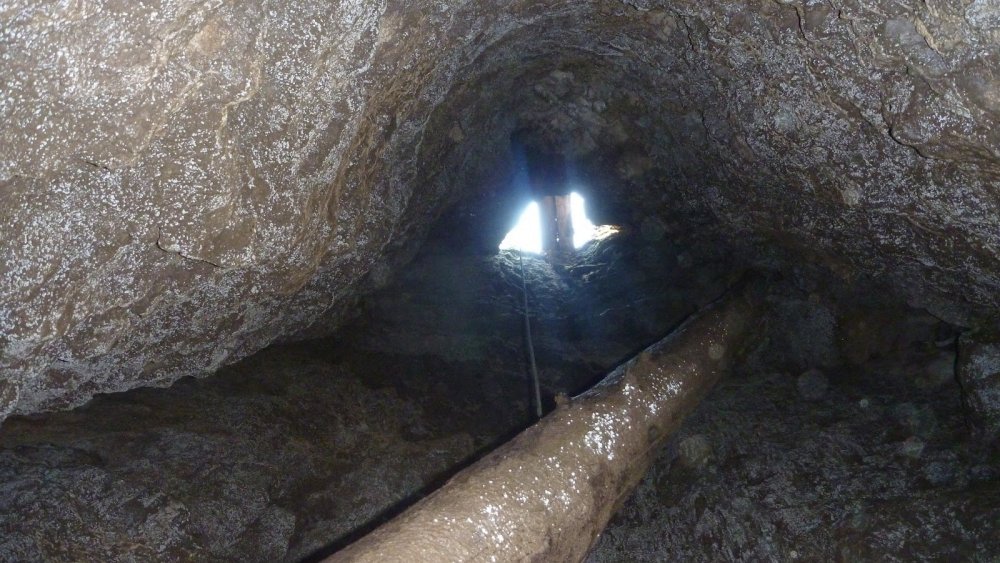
{"x":278,"y":456}
{"x":880,"y":465}
{"x":844,"y":479}
{"x":979,"y":374}
{"x":184,"y":182}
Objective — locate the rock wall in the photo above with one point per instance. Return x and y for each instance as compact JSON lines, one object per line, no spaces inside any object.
{"x":183,"y":183}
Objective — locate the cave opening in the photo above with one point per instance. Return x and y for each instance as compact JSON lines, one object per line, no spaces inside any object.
{"x":260,"y":292}
{"x":526,"y":234}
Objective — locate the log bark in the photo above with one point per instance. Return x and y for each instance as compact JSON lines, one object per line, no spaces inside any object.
{"x":547,"y":494}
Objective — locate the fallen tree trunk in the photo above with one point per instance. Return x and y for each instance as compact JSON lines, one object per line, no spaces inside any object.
{"x":547,"y":494}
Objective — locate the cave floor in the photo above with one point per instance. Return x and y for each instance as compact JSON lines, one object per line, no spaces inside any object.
{"x":301,"y":448}
{"x":870,"y":472}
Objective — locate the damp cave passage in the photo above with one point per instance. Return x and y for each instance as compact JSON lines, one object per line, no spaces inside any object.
{"x":306,"y":447}
{"x":259,"y":291}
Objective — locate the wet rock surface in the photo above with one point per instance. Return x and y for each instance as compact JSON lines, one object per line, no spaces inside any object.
{"x":184,"y":183}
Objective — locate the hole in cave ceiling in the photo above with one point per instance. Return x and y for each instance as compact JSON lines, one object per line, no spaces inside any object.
{"x":526,"y":235}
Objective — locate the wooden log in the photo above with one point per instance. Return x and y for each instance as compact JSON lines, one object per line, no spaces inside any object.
{"x":547,"y":494}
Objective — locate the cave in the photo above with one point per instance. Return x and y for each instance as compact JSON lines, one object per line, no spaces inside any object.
{"x":256,"y":303}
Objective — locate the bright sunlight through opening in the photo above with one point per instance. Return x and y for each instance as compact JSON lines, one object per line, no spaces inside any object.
{"x":527,"y":233}
{"x":583,"y":229}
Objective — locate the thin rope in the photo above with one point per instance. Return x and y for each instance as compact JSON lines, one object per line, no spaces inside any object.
{"x":527,"y":333}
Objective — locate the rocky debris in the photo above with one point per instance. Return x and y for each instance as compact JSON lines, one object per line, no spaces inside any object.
{"x":275,"y":458}
{"x":918,"y":420}
{"x":184,"y":184}
{"x":912,"y":447}
{"x":870,"y":458}
{"x":979,"y":374}
{"x":812,"y":481}
{"x":939,"y":372}
{"x":806,"y":337}
{"x":812,"y":385}
{"x":695,"y":451}
{"x":868,"y":329}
